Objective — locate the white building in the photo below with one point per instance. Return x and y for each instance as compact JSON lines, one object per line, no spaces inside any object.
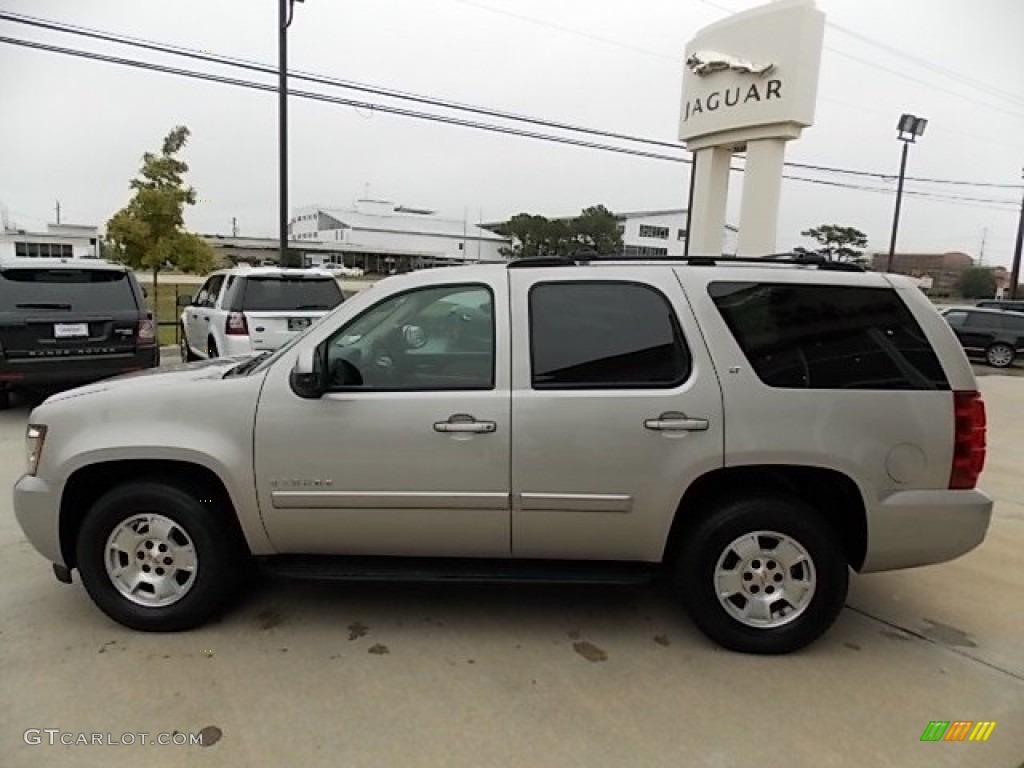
{"x":59,"y":241}
{"x":376,"y":226}
{"x":654,"y":234}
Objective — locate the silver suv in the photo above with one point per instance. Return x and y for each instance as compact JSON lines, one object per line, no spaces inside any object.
{"x":752,"y":430}
{"x":245,"y":309}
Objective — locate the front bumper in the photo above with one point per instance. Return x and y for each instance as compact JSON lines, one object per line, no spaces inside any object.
{"x":911,"y":528}
{"x":37,"y":508}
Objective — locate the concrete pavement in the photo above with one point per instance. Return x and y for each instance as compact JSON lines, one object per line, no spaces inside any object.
{"x":461,"y":675}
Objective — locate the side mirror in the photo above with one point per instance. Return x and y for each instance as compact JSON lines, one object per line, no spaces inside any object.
{"x":185,"y":301}
{"x":307,"y":378}
{"x":413,"y":336}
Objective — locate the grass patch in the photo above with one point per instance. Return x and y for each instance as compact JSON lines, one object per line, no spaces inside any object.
{"x":166,"y":311}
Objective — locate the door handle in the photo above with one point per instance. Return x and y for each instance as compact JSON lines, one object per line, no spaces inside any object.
{"x":463,"y":422}
{"x":673,"y":421}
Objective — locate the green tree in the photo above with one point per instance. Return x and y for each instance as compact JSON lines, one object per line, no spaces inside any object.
{"x":977,"y":283}
{"x":837,"y":243}
{"x":533,"y":235}
{"x":148,"y":233}
{"x":597,"y":228}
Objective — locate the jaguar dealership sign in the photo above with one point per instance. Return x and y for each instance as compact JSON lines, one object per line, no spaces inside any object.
{"x":749,"y":85}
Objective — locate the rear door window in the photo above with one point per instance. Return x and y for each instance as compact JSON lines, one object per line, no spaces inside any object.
{"x":75,"y":290}
{"x":828,"y":337}
{"x":604,"y":335}
{"x":279,"y":293}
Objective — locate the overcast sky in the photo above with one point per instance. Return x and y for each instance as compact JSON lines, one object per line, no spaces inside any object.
{"x":75,"y":130}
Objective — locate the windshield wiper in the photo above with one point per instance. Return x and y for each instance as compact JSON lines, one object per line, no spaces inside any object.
{"x":43,"y":305}
{"x":312,"y":306}
{"x":247,"y":365}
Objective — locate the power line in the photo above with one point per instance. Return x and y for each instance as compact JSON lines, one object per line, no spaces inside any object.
{"x":927,"y":64}
{"x":388,"y":109}
{"x":254,"y":66}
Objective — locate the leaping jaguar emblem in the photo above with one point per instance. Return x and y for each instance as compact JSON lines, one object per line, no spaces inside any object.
{"x":705,"y":62}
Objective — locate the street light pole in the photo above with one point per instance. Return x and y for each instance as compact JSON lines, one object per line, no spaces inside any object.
{"x":909,"y":128}
{"x":1015,"y":272}
{"x":284,"y":20}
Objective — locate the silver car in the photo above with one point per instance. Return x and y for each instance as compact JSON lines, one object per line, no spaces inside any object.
{"x":754,"y":430}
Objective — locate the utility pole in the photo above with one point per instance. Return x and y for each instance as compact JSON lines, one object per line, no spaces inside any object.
{"x":58,"y":211}
{"x":285,"y":10}
{"x":234,"y":226}
{"x":1015,"y":272}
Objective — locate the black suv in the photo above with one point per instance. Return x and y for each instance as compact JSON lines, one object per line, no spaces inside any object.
{"x":995,"y":334}
{"x":65,"y":322}
{"x":1011,"y":304}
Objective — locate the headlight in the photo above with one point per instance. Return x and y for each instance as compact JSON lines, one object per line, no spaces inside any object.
{"x":35,"y":435}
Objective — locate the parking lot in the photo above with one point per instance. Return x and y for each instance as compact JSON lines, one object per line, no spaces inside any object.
{"x":426,"y":675}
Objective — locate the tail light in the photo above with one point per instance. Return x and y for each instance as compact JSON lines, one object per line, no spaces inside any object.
{"x":236,"y":324}
{"x":968,"y":440}
{"x":145,"y":335}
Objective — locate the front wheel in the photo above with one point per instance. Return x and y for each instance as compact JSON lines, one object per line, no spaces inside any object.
{"x":999,"y":355}
{"x":763,"y":575}
{"x":157,"y":558}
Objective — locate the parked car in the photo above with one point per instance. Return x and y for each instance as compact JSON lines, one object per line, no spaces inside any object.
{"x":1010,"y":304}
{"x":750,"y":431}
{"x":65,"y":322}
{"x":994,"y":334}
{"x":342,"y":271}
{"x":242,"y":310}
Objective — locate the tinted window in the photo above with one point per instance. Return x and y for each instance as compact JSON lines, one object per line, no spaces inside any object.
{"x":77,"y":290}
{"x":1014,"y":323}
{"x":274,"y":292}
{"x":604,"y":335}
{"x":213,"y":290}
{"x":828,"y":337}
{"x":982,"y":320}
{"x":956,"y":318}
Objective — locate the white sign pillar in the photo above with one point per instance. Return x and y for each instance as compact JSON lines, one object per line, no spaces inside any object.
{"x":750,"y":85}
{"x":762,"y":192}
{"x":707,"y":222}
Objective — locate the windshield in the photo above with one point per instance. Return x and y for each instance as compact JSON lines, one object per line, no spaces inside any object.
{"x":74,"y":290}
{"x":278,"y":292}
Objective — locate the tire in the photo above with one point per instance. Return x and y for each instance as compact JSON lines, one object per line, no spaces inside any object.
{"x":788,"y":551}
{"x":143,"y":525}
{"x":5,"y":397}
{"x":187,"y":355}
{"x":211,"y":348}
{"x":999,"y":355}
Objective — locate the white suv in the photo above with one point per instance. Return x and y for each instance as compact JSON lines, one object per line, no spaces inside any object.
{"x":250,"y":309}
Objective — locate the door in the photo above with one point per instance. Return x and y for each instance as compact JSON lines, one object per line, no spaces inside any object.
{"x":197,"y":314}
{"x":408,"y":453}
{"x":616,"y":409}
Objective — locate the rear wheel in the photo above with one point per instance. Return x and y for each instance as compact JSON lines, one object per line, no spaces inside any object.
{"x":999,"y":355}
{"x":763,"y":575}
{"x":157,"y":558}
{"x":187,"y":355}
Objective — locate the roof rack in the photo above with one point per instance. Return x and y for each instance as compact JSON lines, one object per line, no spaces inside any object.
{"x":794,"y":258}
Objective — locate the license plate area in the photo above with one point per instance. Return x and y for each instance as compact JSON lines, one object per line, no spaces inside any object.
{"x":298,"y":323}
{"x":71,"y":330}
